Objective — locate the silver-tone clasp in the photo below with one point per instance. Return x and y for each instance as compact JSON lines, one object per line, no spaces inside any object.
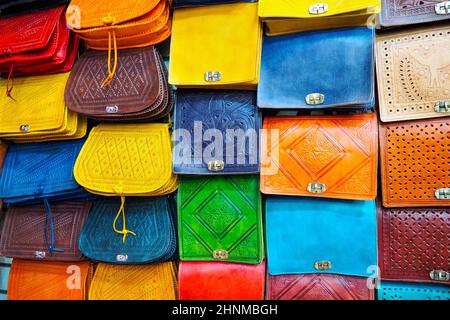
{"x":121,"y":257}
{"x":442,"y":106}
{"x":213,"y":76}
{"x":25,"y":128}
{"x":112,"y":109}
{"x":322,"y":265}
{"x":316,"y":187}
{"x":442,"y":194}
{"x":216,"y":165}
{"x":440,"y":275}
{"x":318,"y":8}
{"x":442,"y":8}
{"x":315,"y":98}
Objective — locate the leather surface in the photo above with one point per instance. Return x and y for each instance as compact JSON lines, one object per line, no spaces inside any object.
{"x":25,"y":227}
{"x":187,"y":3}
{"x":318,"y":287}
{"x":221,"y":281}
{"x":3,"y":150}
{"x":138,"y":90}
{"x":291,"y":69}
{"x":412,"y":242}
{"x":152,"y":219}
{"x":139,"y":282}
{"x":217,"y":110}
{"x":21,"y":7}
{"x":414,"y":162}
{"x":303,"y":231}
{"x":339,"y":151}
{"x":211,"y":39}
{"x":34,"y":171}
{"x":412,"y":291}
{"x":412,"y":69}
{"x":45,"y":280}
{"x":406,"y":12}
{"x":127,"y":159}
{"x":5,"y":266}
{"x":220,"y":213}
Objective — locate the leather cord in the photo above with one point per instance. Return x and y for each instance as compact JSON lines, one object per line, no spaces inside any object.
{"x":111,"y":70}
{"x":49,"y":218}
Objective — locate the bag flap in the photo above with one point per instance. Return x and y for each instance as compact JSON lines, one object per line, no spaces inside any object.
{"x":25,"y":228}
{"x":412,"y":291}
{"x":150,"y":218}
{"x":138,"y":84}
{"x":313,"y":9}
{"x":220,"y":219}
{"x":38,"y":106}
{"x":418,"y":152}
{"x":318,"y":287}
{"x":126,"y":159}
{"x":221,"y":40}
{"x":321,"y":156}
{"x":297,"y":66}
{"x":398,"y":12}
{"x":44,"y":280}
{"x":39,"y":170}
{"x":155,"y":281}
{"x":234,"y":114}
{"x":407,"y":233}
{"x":29,"y":31}
{"x":321,"y":236}
{"x":221,"y":281}
{"x":82,"y":14}
{"x":411,"y":69}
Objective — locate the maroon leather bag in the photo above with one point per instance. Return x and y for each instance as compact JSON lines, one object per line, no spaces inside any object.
{"x":318,"y":287}
{"x":413,"y":244}
{"x":406,"y":12}
{"x":27,"y":231}
{"x":139,"y":89}
{"x":3,"y":149}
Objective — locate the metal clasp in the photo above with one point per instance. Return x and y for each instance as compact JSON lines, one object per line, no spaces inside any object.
{"x":25,"y":128}
{"x":220,"y":254}
{"x":112,"y":109}
{"x":315,"y":98}
{"x":39,"y":254}
{"x":213,"y":76}
{"x":322,"y":265}
{"x":442,"y":106}
{"x":316,"y":187}
{"x":440,"y":275}
{"x":442,"y":7}
{"x":121,"y":257}
{"x":318,"y":8}
{"x":216,"y":165}
{"x":442,"y":194}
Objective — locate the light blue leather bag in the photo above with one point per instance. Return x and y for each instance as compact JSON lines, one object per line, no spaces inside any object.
{"x":314,"y":235}
{"x":412,"y":291}
{"x":318,"y":69}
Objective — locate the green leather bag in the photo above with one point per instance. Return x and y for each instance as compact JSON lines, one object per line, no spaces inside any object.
{"x":220,"y":219}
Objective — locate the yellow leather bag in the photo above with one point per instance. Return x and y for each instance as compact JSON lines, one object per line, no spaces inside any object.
{"x":216,"y":46}
{"x":134,"y":282}
{"x":38,"y":111}
{"x":289,"y":16}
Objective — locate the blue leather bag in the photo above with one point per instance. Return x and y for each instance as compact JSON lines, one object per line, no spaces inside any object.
{"x":189,"y":3}
{"x":41,"y":171}
{"x":202,"y":111}
{"x":312,"y":235}
{"x":152,"y":219}
{"x":412,"y":291}
{"x":318,"y":69}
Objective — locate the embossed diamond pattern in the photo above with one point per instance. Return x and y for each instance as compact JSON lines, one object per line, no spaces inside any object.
{"x":403,"y":12}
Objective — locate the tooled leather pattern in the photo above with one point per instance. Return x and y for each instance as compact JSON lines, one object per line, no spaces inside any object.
{"x":318,"y":287}
{"x":406,"y":8}
{"x":413,"y":242}
{"x":407,"y":291}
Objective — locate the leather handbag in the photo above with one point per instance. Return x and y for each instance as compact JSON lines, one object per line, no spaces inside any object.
{"x":20,"y":7}
{"x":45,"y":280}
{"x":219,"y":219}
{"x":318,"y":287}
{"x":137,"y":282}
{"x":290,"y":16}
{"x":399,"y":13}
{"x":233,"y":115}
{"x":294,"y":76}
{"x":331,"y":156}
{"x":308,"y":235}
{"x":37,"y":172}
{"x":413,"y":244}
{"x":412,"y":291}
{"x":414,"y":163}
{"x":216,"y":46}
{"x":39,"y":112}
{"x":412,"y":66}
{"x":3,"y":149}
{"x":139,"y":90}
{"x":33,"y":232}
{"x":151,"y":219}
{"x":189,"y":3}
{"x":221,"y":281}
{"x":5,"y":266}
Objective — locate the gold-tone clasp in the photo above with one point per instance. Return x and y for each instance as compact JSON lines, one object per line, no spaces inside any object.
{"x":440,"y":275}
{"x":442,"y":8}
{"x":442,"y":106}
{"x":315,"y":98}
{"x":316,"y":187}
{"x":220,"y":254}
{"x":216,"y":165}
{"x":213,"y":76}
{"x":322,"y":265}
{"x":318,"y":8}
{"x":442,"y":194}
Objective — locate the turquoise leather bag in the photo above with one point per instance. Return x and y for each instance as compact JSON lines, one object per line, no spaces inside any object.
{"x":313,"y":235}
{"x":412,"y":291}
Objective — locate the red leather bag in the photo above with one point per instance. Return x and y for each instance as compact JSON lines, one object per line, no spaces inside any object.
{"x":221,"y":281}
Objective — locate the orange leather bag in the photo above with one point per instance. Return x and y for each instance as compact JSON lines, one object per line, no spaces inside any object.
{"x":415,"y":167}
{"x":320,"y":156}
{"x":42,"y":280}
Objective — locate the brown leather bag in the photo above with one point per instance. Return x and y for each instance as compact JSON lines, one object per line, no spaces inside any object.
{"x":414,"y":163}
{"x":27,"y":231}
{"x":139,"y":89}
